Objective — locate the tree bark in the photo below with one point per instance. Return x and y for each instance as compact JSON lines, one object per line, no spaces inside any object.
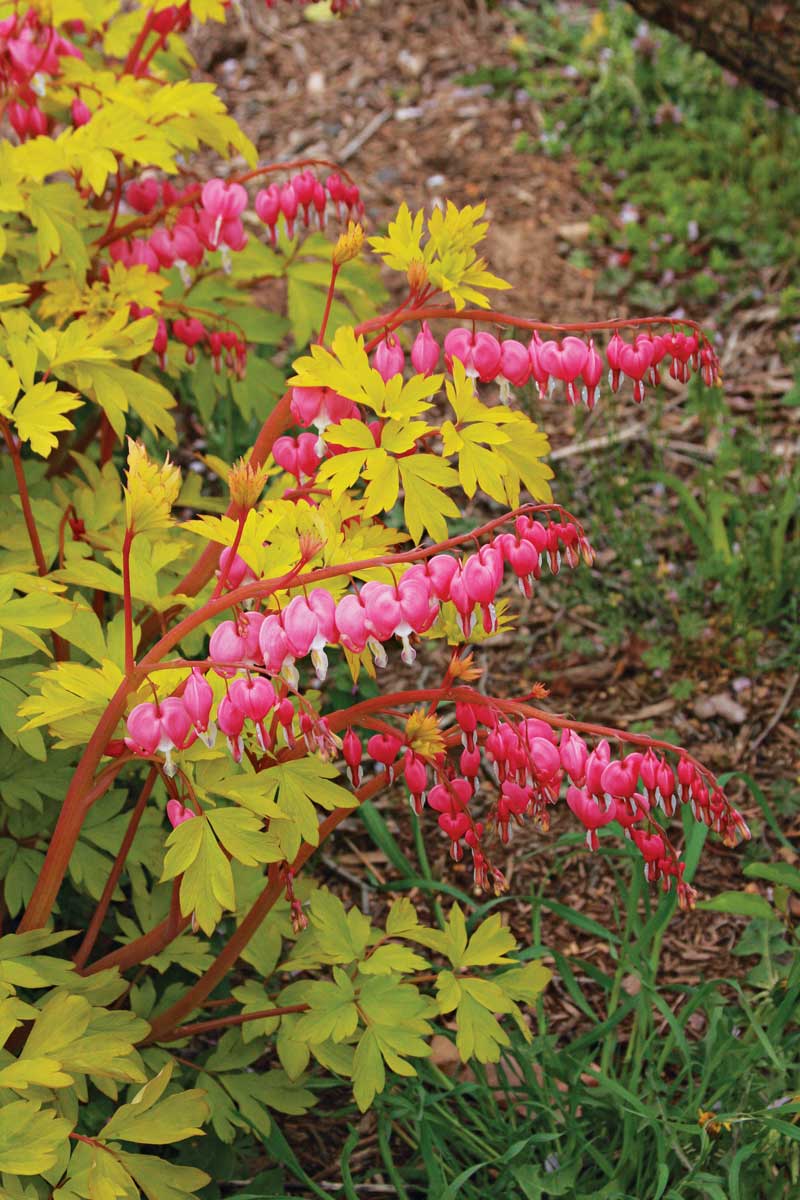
{"x":759,"y":40}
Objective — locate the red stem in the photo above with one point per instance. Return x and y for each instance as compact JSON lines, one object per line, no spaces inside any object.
{"x":157,"y":45}
{"x":112,"y":220}
{"x":89,"y":1141}
{"x":184,"y":1031}
{"x":107,"y":440}
{"x":164,"y":1024}
{"x":90,"y":936}
{"x":328,"y":302}
{"x":294,"y":164}
{"x":82,"y":793}
{"x":148,"y":944}
{"x":136,"y":48}
{"x":24,"y":496}
{"x":491,"y":317}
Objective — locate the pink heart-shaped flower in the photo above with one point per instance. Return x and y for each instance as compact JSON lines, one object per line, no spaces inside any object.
{"x":178,"y":813}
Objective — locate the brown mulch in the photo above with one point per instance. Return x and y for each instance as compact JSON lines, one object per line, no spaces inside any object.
{"x":382,"y":91}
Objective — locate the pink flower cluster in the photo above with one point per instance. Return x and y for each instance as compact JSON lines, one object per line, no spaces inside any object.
{"x":30,"y":50}
{"x":207,"y":219}
{"x":298,"y":456}
{"x":175,"y":723}
{"x":195,"y":221}
{"x":531,"y":764}
{"x":572,"y":361}
{"x":309,"y":195}
{"x":381,"y":611}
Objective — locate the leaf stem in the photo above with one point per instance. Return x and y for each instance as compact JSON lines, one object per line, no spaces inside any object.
{"x":152,"y":942}
{"x":136,"y":48}
{"x":24,"y":496}
{"x":328,"y":302}
{"x":90,"y":937}
{"x":184,"y":1031}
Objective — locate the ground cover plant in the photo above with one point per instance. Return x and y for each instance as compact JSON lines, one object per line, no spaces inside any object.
{"x":168,"y":669}
{"x":692,"y":159}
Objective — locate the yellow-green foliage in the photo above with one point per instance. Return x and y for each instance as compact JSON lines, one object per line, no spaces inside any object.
{"x":91,"y":1090}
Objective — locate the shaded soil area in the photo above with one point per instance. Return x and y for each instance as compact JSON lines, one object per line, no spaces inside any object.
{"x":382,"y":92}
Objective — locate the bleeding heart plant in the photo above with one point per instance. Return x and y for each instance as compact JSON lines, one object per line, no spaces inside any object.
{"x":168,"y":740}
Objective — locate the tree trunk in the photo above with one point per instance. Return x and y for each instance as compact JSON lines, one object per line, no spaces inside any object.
{"x":759,"y":40}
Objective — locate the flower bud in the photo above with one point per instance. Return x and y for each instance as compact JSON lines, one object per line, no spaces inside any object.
{"x":425,"y":351}
{"x":246,"y":483}
{"x":349,"y":244}
{"x":417,"y":276}
{"x":81,"y":113}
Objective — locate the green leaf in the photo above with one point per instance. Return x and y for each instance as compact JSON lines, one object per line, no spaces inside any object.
{"x":31,"y":1138}
{"x":426,"y":506}
{"x":479,"y":1034}
{"x":397,"y":1025}
{"x":369,"y":1075}
{"x":23,"y":615}
{"x":342,"y":936}
{"x":390,"y":959}
{"x":294,"y":1054}
{"x":268,"y":1089}
{"x":158,"y":1122}
{"x":162,"y":1180}
{"x":206,"y":889}
{"x":76,"y":1038}
{"x":241,"y":833}
{"x":780,"y":873}
{"x":333,"y":1013}
{"x":448,"y":991}
{"x":489,"y":944}
{"x":740,"y":904}
{"x":254,"y":998}
{"x":456,"y":935}
{"x":22,"y":964}
{"x":525,"y":983}
{"x":39,"y":416}
{"x":287,"y":794}
{"x":402,"y":918}
{"x":71,"y":700}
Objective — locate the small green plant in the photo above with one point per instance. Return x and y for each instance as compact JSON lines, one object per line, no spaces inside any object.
{"x":685,"y":1093}
{"x":702,"y":195}
{"x":725,"y":566}
{"x":772,"y":933}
